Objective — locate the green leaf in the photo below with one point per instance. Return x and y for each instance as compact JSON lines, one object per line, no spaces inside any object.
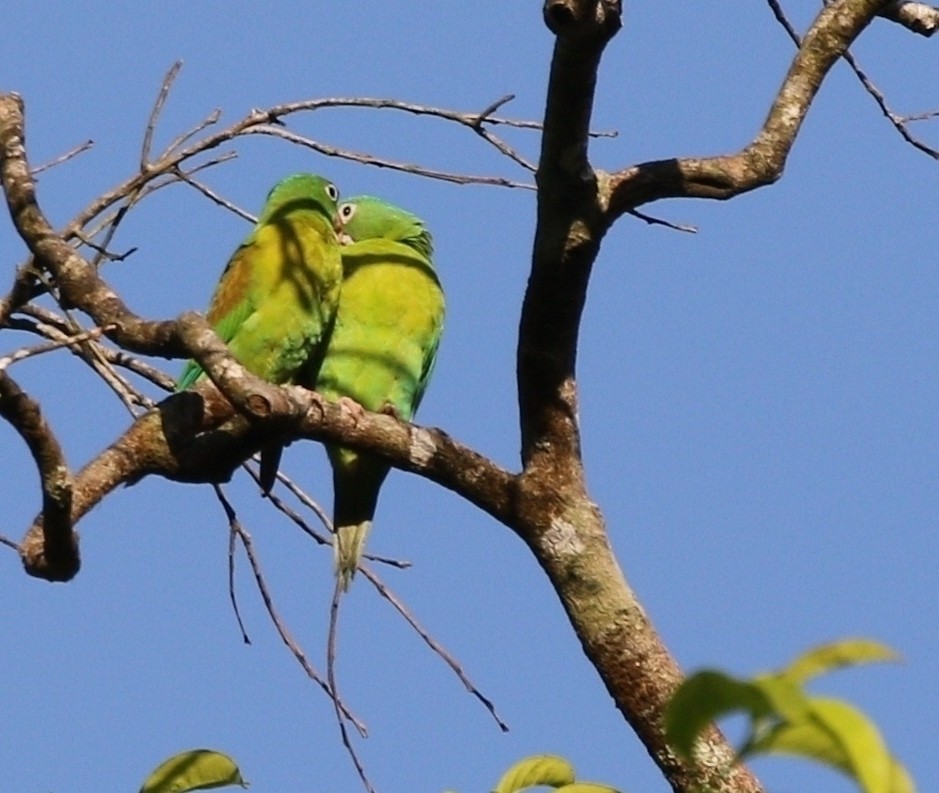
{"x":587,"y":787}
{"x":198,"y":769}
{"x":541,"y":769}
{"x":803,"y":740}
{"x":871,"y":763}
{"x":704,"y":697}
{"x":828,"y":657}
{"x":900,"y":780}
{"x":786,"y":699}
{"x":838,"y":735}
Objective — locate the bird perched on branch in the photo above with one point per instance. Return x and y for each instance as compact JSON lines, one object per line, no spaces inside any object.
{"x":381,"y":352}
{"x":276,"y":300}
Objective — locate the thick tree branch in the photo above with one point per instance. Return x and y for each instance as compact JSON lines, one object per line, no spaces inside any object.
{"x":200,"y":436}
{"x":557,"y":519}
{"x":918,"y":17}
{"x":56,"y":546}
{"x":762,"y":161}
{"x":76,"y":279}
{"x":576,"y":206}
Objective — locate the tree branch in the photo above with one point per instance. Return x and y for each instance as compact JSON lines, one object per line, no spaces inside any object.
{"x":200,"y":436}
{"x":55,"y":546}
{"x":576,"y":206}
{"x":917,"y":17}
{"x":762,"y":161}
{"x":77,"y":280}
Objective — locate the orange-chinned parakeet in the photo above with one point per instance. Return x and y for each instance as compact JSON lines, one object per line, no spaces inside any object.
{"x":381,"y":351}
{"x":276,"y":300}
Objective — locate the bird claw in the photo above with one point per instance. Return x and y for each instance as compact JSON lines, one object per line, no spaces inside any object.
{"x":390,"y":410}
{"x":352,"y":407}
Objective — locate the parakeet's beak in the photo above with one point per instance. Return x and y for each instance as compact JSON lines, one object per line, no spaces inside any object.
{"x":345,"y":239}
{"x":337,"y":224}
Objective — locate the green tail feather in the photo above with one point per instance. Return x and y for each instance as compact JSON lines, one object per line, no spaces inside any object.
{"x":348,"y":547}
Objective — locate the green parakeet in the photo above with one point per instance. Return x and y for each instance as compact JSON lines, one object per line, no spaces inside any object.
{"x":276,"y":300}
{"x":381,"y":352}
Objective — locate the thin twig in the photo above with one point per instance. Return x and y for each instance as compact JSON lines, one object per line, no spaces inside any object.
{"x":310,"y":503}
{"x":28,"y":352}
{"x":282,"y":631}
{"x":231,"y":569}
{"x":111,"y":257}
{"x":331,"y":644}
{"x":74,"y":152}
{"x":291,"y":514}
{"x":501,"y":145}
{"x":920,"y":116}
{"x":376,"y":103}
{"x":180,"y":139}
{"x":307,"y":501}
{"x":892,"y":117}
{"x":129,"y":396}
{"x":168,"y":79}
{"x":896,"y":120}
{"x":9,"y":543}
{"x":434,"y":645}
{"x":492,"y":108}
{"x":52,"y":326}
{"x":213,"y":196}
{"x":654,"y":221}
{"x":380,"y":162}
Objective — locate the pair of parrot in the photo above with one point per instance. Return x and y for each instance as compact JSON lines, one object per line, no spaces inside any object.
{"x":341,"y":298}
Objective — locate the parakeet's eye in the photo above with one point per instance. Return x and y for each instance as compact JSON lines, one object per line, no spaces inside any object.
{"x":346,"y":212}
{"x":332,"y":191}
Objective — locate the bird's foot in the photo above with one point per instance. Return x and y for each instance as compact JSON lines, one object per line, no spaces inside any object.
{"x":390,"y":410}
{"x":353,"y":408}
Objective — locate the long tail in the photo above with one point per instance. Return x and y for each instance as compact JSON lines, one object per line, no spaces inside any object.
{"x":348,"y":547}
{"x":270,"y":463}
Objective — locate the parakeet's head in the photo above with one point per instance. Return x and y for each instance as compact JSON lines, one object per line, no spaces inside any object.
{"x":368,"y":218}
{"x":302,"y":191}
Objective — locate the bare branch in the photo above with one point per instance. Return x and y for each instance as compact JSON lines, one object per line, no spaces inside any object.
{"x":238,"y":530}
{"x":762,"y":161}
{"x":898,"y":122}
{"x":28,"y":352}
{"x":331,"y":644}
{"x":467,"y":119}
{"x":80,"y":285}
{"x":215,"y":197}
{"x":168,"y":79}
{"x":434,"y":645}
{"x":379,"y":162}
{"x":291,"y":514}
{"x":55,"y":327}
{"x":653,"y":221}
{"x":56,"y":546}
{"x":24,"y":285}
{"x":211,"y":119}
{"x":917,"y":17}
{"x":74,"y":152}
{"x":232,"y":537}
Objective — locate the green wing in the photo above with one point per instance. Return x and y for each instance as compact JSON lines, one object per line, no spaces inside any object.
{"x":232,"y":303}
{"x":278,"y":293}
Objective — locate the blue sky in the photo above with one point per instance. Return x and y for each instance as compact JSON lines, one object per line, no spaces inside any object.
{"x":758,"y":401}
